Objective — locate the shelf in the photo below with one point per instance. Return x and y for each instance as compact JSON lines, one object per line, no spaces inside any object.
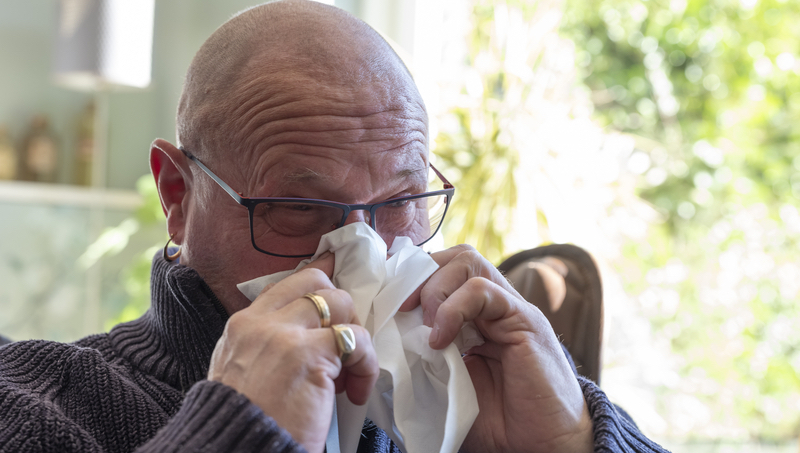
{"x":66,"y":195}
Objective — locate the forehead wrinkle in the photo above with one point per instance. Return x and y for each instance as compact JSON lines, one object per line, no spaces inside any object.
{"x":262,"y":122}
{"x":306,"y":175}
{"x":326,"y":117}
{"x":388,"y":138}
{"x":303,"y":175}
{"x":261,"y":112}
{"x":287,"y":96}
{"x":378,"y":145}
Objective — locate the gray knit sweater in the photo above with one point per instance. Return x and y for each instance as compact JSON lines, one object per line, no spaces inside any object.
{"x":142,"y":387}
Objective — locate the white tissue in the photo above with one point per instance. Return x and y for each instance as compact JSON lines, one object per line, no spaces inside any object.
{"x":424,"y":399}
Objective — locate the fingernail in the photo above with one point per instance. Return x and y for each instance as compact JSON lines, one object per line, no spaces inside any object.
{"x":434,"y":334}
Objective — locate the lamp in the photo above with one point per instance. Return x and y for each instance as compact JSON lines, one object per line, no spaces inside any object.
{"x":104,"y":44}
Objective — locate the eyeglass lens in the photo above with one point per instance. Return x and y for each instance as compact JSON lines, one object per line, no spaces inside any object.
{"x":294,"y":228}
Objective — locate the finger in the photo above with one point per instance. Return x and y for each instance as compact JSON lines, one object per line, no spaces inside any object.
{"x":325,"y":263}
{"x":456,"y":272}
{"x":360,"y":371}
{"x":286,"y":291}
{"x":442,"y":257}
{"x":267,"y":288}
{"x":304,"y":311}
{"x":412,"y":301}
{"x":500,"y":315}
{"x":445,"y":256}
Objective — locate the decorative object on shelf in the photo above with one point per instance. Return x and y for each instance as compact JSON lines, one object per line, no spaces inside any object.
{"x":8,"y":156}
{"x":39,"y":150}
{"x":84,"y":146}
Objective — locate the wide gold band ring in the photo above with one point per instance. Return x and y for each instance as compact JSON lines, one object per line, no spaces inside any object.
{"x":322,"y":308}
{"x":345,"y":341}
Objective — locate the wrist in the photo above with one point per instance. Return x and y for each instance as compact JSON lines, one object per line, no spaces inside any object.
{"x":582,"y":439}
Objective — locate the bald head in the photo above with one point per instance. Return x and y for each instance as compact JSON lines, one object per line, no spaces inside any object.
{"x":291,"y":99}
{"x":269,"y":49}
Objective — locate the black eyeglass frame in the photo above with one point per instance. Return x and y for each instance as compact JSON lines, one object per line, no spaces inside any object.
{"x":251,"y":202}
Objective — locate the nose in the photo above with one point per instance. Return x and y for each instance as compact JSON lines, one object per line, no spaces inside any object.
{"x":357,"y":216}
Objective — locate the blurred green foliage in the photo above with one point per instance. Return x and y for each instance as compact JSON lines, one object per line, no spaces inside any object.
{"x":484,"y":171}
{"x":135,"y":278}
{"x":476,"y":150}
{"x":711,"y":92}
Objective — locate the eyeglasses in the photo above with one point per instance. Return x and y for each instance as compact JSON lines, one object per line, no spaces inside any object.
{"x":292,"y":227}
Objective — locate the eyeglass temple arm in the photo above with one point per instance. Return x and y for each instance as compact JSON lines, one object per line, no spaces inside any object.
{"x":221,"y":183}
{"x":447,"y":184}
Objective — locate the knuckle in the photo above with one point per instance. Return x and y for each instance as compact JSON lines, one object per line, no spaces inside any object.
{"x":243,"y":327}
{"x":347,"y":303}
{"x":363,"y":338}
{"x":341,"y":295}
{"x":288,"y":342}
{"x":360,"y":331}
{"x":465,"y":247}
{"x":340,"y":302}
{"x":472,"y":259}
{"x":237,"y":323}
{"x":430,"y":294}
{"x":480,"y":285}
{"x":240,"y":331}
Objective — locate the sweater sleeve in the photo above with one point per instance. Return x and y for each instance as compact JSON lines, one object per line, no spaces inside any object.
{"x":613,"y":431}
{"x":214,"y":417}
{"x":61,"y":398}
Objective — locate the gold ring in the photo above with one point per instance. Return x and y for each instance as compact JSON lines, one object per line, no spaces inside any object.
{"x":322,"y":308}
{"x":345,"y":341}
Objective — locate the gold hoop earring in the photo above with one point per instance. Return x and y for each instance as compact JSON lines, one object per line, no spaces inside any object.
{"x":175,"y":255}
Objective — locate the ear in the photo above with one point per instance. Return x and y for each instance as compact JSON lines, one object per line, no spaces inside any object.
{"x":170,"y":169}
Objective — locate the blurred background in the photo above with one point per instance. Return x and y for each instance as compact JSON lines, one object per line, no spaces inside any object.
{"x":657,"y":134}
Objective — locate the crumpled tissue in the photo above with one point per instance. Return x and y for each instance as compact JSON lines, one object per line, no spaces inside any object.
{"x":424,"y":398}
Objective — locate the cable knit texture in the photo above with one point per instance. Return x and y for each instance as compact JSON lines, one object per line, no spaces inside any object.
{"x":142,"y":387}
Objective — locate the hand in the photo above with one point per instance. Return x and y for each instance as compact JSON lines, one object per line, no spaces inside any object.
{"x":528,"y":397}
{"x":275,"y":353}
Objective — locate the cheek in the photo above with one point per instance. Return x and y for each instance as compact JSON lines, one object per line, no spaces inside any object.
{"x":218,"y":223}
{"x":216,"y":231}
{"x":218,"y":245}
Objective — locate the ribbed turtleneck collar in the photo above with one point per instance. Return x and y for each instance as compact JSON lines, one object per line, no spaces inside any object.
{"x":173,"y":341}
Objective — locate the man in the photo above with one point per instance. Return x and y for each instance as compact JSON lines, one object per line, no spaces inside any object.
{"x":294,"y":100}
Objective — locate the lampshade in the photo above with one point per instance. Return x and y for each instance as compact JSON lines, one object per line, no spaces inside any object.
{"x":102,"y":44}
